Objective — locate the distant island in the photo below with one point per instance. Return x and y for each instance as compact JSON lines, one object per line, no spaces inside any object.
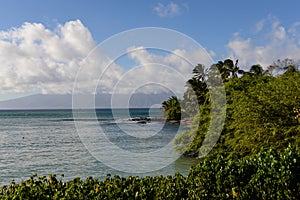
{"x":64,"y":101}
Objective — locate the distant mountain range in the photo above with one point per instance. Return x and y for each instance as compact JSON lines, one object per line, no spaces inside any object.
{"x":53,"y":101}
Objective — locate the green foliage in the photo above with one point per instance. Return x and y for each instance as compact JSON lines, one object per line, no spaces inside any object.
{"x":261,"y":111}
{"x":159,"y":187}
{"x":190,"y":140}
{"x":266,"y":175}
{"x":172,"y":108}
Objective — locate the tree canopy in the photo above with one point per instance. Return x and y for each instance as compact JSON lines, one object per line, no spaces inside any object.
{"x":262,"y":110}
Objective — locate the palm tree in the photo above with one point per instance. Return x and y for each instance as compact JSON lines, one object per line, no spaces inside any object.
{"x":232,"y":68}
{"x":223,"y":70}
{"x":165,"y":105}
{"x":228,"y":69}
{"x":256,"y":70}
{"x":172,"y":108}
{"x":199,"y":72}
{"x":199,"y":88}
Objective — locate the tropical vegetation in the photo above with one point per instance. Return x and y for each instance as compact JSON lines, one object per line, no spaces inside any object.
{"x":262,"y":109}
{"x":266,"y":175}
{"x":172,"y":109}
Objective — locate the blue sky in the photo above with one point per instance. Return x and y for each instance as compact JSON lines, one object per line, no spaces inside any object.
{"x":211,"y":23}
{"x":252,"y":31}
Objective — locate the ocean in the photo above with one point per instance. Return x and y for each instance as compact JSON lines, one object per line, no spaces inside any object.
{"x":62,"y":142}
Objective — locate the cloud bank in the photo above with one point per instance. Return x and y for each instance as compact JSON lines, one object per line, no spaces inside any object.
{"x":36,"y":59}
{"x":271,"y":41}
{"x":33,"y":57}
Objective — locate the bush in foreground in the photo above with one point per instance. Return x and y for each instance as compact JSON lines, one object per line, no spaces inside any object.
{"x":267,"y":175}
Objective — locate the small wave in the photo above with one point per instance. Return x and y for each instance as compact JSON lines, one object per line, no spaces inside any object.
{"x":83,"y":120}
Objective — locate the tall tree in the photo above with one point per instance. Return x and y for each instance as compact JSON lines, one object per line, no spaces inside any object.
{"x":172,"y":108}
{"x":256,"y":70}
{"x":232,"y":67}
{"x":228,"y":69}
{"x":199,"y":72}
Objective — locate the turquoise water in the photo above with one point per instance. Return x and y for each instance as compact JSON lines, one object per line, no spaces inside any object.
{"x":46,"y":142}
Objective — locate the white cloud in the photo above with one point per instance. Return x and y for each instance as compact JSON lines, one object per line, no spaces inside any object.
{"x":159,"y":72}
{"x":34,"y":58}
{"x":271,"y":42}
{"x":169,"y":10}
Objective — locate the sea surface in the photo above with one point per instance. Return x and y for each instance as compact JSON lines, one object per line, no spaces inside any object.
{"x":48,"y":142}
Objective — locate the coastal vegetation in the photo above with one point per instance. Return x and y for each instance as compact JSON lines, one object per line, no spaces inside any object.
{"x":262,"y":109}
{"x":266,"y":175}
{"x":172,"y":109}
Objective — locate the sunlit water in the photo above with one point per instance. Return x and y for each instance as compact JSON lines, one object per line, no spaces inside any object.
{"x":46,"y":142}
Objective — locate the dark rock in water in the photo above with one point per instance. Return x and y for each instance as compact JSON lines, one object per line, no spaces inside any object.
{"x":142,"y":122}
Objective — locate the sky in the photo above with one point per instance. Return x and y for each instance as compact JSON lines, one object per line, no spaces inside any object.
{"x":44,"y":43}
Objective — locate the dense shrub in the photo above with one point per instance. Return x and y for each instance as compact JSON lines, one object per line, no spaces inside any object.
{"x":267,"y":175}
